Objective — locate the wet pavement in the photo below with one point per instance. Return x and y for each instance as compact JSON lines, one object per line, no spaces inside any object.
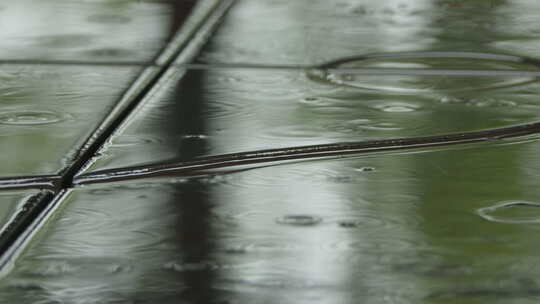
{"x":117,"y":31}
{"x":12,"y":203}
{"x":270,"y":152}
{"x":48,"y":111}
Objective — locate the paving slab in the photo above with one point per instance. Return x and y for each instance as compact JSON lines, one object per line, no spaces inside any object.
{"x":48,"y":111}
{"x":315,"y":31}
{"x":83,"y":30}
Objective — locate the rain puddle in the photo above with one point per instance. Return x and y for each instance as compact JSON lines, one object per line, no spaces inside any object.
{"x":354,"y":151}
{"x":225,"y":235}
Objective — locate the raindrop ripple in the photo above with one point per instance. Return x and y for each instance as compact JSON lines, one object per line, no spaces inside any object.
{"x":505,"y":212}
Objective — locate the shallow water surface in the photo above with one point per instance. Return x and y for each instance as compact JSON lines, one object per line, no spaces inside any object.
{"x":410,"y":229}
{"x":48,"y":111}
{"x":83,"y":30}
{"x":317,"y":31}
{"x":163,"y":213}
{"x":212,"y":112}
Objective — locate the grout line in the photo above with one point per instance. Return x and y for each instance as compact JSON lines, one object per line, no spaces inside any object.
{"x":141,"y":87}
{"x":290,"y":67}
{"x":48,"y":182}
{"x":304,"y":152}
{"x":45,"y":207}
{"x":73,"y":62}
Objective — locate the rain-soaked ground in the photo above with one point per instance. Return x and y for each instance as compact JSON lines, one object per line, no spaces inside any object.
{"x":269,"y":151}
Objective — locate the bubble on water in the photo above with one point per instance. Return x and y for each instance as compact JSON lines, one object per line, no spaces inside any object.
{"x":514,"y":212}
{"x":31,"y":117}
{"x":299,"y":220}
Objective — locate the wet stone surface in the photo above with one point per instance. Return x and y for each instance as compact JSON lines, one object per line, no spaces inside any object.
{"x":83,"y":30}
{"x":11,"y":203}
{"x":317,"y":31}
{"x":432,"y":225}
{"x":48,"y":111}
{"x":234,"y":110}
{"x":222,"y":238}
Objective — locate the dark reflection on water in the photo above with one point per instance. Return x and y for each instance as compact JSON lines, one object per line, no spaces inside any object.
{"x":192,"y":200}
{"x":186,"y":114}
